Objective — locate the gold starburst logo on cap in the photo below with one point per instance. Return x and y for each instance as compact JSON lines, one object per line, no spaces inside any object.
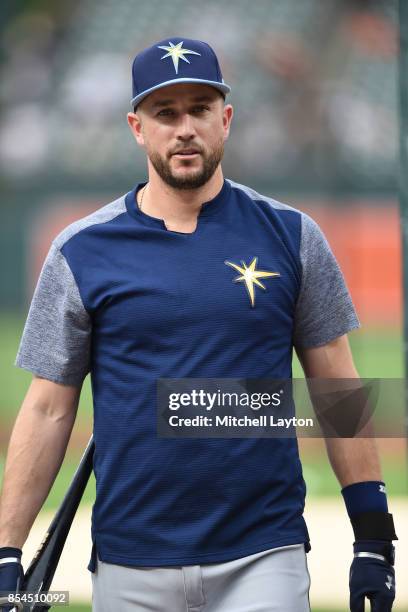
{"x":250,"y":276}
{"x":176,"y":52}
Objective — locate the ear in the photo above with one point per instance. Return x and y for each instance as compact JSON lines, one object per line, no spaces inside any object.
{"x":135,"y":124}
{"x":227,"y":115}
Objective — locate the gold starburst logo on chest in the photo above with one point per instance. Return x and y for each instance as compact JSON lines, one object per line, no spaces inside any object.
{"x":250,"y":276}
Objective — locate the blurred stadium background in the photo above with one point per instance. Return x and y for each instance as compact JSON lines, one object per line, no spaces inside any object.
{"x":316,"y":125}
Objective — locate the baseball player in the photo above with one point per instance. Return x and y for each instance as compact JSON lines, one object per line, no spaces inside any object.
{"x":145,"y":288}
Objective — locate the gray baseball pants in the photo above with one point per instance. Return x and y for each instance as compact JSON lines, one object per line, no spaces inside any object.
{"x":275,"y":580}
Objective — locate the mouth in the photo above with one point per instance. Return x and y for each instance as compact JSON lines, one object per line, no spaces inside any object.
{"x":186,"y":153}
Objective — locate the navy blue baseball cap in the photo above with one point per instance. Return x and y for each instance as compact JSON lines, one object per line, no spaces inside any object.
{"x":175,"y":60}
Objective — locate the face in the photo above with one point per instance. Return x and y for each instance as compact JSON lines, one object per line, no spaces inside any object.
{"x":183,"y":128}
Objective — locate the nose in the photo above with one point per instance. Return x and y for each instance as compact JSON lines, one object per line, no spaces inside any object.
{"x":185,"y":127}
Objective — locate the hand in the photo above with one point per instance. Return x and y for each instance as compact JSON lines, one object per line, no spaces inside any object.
{"x":372,"y":575}
{"x":11,"y":572}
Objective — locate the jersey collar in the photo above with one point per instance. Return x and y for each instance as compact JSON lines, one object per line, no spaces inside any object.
{"x":208,"y":209}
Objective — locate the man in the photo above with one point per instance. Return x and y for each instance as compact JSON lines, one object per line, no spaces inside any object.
{"x":144,"y":289}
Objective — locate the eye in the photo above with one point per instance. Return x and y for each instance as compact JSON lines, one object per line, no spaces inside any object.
{"x":200,"y":109}
{"x":165,"y":112}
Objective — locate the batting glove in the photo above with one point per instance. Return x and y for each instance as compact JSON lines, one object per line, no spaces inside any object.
{"x":372,"y":575}
{"x":11,"y":573}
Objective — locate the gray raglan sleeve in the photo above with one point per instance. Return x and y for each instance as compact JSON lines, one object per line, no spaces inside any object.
{"x":324,"y":309}
{"x":57,"y":335}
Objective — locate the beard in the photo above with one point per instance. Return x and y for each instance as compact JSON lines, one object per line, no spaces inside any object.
{"x":195,"y":179}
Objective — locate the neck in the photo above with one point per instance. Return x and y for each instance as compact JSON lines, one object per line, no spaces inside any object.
{"x":178,"y":205}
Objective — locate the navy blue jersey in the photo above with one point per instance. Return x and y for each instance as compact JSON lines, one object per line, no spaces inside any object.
{"x":126,"y":299}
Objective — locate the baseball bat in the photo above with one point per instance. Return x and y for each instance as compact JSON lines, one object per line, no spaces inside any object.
{"x":41,"y":570}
